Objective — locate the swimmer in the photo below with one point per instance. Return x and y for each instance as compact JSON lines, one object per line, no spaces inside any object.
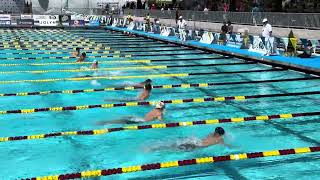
{"x":155,"y":114}
{"x":82,"y":57}
{"x":142,"y":84}
{"x":76,"y":53}
{"x":146,"y":92}
{"x":94,"y":65}
{"x":212,"y":139}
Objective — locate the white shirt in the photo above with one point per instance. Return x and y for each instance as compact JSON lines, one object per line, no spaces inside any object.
{"x":266,"y":30}
{"x":182,"y":24}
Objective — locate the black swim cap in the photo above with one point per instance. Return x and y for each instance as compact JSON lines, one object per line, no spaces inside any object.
{"x":84,"y":54}
{"x":219,"y":130}
{"x":148,"y":81}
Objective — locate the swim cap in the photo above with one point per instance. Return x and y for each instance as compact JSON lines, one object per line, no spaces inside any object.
{"x":160,"y":105}
{"x":148,"y":81}
{"x":219,"y":130}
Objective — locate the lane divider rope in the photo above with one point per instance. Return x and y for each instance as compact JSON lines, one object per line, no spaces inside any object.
{"x":54,"y":49}
{"x":86,"y":70}
{"x":78,"y":63}
{"x":167,"y":86}
{"x":159,"y":126}
{"x":89,"y":52}
{"x":27,"y":47}
{"x":104,"y":56}
{"x":148,"y":103}
{"x":122,"y":68}
{"x":68,"y":57}
{"x":179,"y":163}
{"x":130,"y":77}
{"x":113,"y":61}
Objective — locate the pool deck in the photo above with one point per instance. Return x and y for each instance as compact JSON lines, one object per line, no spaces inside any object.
{"x":310,"y":65}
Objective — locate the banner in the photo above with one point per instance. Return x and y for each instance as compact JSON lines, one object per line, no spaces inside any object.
{"x":46,"y":20}
{"x":26,"y":20}
{"x":64,"y":20}
{"x":5,"y":19}
{"x":77,"y":20}
{"x":94,"y":23}
{"x":207,"y":38}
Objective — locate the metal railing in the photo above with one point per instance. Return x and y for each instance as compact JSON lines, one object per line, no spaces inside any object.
{"x":294,"y":20}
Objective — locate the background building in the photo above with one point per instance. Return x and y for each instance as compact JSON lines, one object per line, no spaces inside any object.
{"x":12,"y":6}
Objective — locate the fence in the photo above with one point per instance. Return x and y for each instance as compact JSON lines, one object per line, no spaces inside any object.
{"x":294,"y":20}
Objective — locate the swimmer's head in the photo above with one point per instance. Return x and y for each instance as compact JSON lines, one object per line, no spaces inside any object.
{"x":95,"y":62}
{"x":148,"y":81}
{"x":148,"y":87}
{"x":219,"y":131}
{"x":78,"y":49}
{"x":160,"y":105}
{"x":84,"y":54}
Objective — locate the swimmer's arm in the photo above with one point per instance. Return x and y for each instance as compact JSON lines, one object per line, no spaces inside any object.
{"x":225,"y":144}
{"x":160,"y":117}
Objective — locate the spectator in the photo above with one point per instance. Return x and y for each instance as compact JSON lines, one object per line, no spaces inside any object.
{"x":153,"y":7}
{"x":266,"y":34}
{"x":291,"y":49}
{"x":148,"y":23}
{"x":230,"y":28}
{"x":307,"y":53}
{"x":246,"y":40}
{"x":177,"y":15}
{"x":224,"y":31}
{"x":182,"y":23}
{"x":255,"y":14}
{"x":129,"y":18}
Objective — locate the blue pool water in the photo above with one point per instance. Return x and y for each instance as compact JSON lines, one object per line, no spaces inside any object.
{"x":61,"y":155}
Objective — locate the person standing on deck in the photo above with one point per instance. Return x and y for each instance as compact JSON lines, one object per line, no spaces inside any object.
{"x":267,"y":34}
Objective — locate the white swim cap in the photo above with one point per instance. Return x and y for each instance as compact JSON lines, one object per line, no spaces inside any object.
{"x":180,"y":17}
{"x":265,"y":20}
{"x":160,"y":105}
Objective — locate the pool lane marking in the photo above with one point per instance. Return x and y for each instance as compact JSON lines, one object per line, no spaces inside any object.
{"x":148,"y":103}
{"x":117,"y":61}
{"x":86,"y":70}
{"x":50,"y":47}
{"x":79,"y":63}
{"x":131,"y":77}
{"x":168,"y":86}
{"x":62,"y":44}
{"x":114,"y":47}
{"x":159,"y":126}
{"x":102,"y":56}
{"x":55,"y":49}
{"x":91,"y":52}
{"x":124,"y":68}
{"x":178,"y":163}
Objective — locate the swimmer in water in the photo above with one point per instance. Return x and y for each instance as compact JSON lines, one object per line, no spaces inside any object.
{"x":155,"y":114}
{"x":94,"y":65}
{"x":212,"y":139}
{"x":142,"y":84}
{"x":145,"y":93}
{"x":82,"y":57}
{"x":76,"y":53}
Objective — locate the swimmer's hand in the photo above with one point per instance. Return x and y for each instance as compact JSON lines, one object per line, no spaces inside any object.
{"x":101,"y":123}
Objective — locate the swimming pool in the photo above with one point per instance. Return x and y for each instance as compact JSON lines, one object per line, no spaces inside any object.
{"x":44,"y":92}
